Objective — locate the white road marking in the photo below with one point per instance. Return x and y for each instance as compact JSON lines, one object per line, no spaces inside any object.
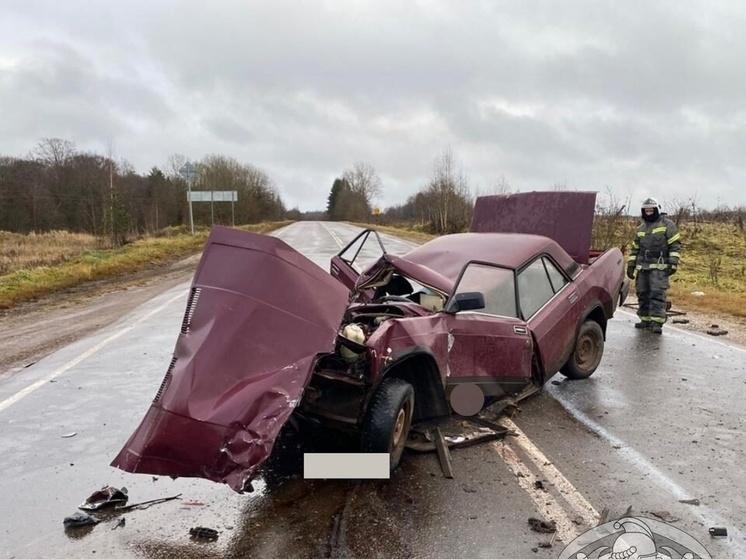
{"x":82,"y":357}
{"x":574,"y":498}
{"x":546,"y":505}
{"x":333,"y":235}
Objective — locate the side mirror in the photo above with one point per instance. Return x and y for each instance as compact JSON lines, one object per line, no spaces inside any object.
{"x":466,"y":301}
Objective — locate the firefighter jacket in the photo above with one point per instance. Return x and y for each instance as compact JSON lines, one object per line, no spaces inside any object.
{"x":656,"y":246}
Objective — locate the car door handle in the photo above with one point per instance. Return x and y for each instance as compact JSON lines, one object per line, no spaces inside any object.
{"x":572,"y":297}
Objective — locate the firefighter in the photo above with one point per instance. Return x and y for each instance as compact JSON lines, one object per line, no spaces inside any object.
{"x":653,"y":258}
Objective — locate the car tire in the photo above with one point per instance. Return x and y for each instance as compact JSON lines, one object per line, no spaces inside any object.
{"x":388,"y":419}
{"x":587,"y":353}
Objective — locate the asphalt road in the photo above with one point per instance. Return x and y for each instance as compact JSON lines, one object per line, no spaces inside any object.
{"x":660,"y":422}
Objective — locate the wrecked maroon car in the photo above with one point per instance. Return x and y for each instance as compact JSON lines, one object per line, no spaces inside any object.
{"x":379,"y":343}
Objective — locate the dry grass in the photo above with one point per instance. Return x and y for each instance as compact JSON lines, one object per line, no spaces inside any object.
{"x":713,"y":263}
{"x":24,"y":252}
{"x":406,"y":231}
{"x":38,"y":265}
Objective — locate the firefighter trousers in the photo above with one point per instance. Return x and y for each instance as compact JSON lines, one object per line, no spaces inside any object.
{"x":652,"y":291}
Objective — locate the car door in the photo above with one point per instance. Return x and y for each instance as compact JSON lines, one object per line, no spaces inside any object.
{"x":490,"y":347}
{"x":353,"y":259}
{"x":546,"y":298}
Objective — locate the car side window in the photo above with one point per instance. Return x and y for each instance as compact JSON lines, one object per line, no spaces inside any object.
{"x":555,"y":276}
{"x":537,"y":283}
{"x":496,"y":284}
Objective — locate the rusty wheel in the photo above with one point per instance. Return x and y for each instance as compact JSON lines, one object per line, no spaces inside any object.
{"x":589,"y":348}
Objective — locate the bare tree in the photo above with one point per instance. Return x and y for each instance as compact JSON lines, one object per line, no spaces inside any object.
{"x":611,"y":225}
{"x":174,"y":163}
{"x":447,"y":194}
{"x":364,"y":181}
{"x":498,"y":185}
{"x":54,"y":152}
{"x":501,"y":186}
{"x":559,"y":186}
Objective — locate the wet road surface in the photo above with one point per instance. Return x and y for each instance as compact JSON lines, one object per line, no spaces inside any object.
{"x":658,"y":423}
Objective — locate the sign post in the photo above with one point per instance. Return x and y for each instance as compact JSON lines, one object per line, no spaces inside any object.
{"x":213,"y":196}
{"x":189,"y":173}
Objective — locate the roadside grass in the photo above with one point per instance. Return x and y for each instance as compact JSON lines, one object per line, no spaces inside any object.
{"x":36,"y":265}
{"x":713,"y":263}
{"x":24,"y":252}
{"x":411,"y":232}
{"x":32,"y":266}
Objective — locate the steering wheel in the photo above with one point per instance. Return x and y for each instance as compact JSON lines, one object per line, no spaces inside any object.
{"x":394,"y":299}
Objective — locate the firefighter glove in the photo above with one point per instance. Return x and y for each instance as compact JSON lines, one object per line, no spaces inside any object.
{"x":631,"y":272}
{"x":671,"y":269}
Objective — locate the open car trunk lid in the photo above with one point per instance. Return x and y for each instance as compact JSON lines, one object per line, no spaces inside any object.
{"x":566,"y":217}
{"x":258,"y":315}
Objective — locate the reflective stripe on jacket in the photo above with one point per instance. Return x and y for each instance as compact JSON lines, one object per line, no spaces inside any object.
{"x":656,"y":246}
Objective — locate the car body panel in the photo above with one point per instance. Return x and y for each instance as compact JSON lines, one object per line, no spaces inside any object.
{"x":259,"y":314}
{"x":566,"y":217}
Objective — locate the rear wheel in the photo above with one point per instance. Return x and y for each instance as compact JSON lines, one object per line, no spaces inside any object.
{"x":388,"y":420}
{"x":589,"y":348}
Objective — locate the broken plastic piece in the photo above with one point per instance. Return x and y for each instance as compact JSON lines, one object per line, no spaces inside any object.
{"x":201,"y":532}
{"x":105,"y":497}
{"x":68,"y":435}
{"x":717,"y":531}
{"x":79,"y":519}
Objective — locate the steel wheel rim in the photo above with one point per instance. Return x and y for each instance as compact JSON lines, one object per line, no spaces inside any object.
{"x":587,"y":351}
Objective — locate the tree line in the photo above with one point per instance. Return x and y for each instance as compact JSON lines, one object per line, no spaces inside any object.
{"x":442,"y":205}
{"x":59,"y":188}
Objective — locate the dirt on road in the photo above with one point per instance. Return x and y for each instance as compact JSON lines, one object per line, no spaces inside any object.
{"x":33,"y":330}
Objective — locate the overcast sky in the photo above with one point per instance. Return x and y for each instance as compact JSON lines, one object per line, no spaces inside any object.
{"x":636,"y":98}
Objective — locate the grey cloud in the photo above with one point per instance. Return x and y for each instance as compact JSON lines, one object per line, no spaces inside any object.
{"x":636,"y":95}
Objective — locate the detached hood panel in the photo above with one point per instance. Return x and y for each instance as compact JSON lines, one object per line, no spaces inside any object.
{"x":258,"y":315}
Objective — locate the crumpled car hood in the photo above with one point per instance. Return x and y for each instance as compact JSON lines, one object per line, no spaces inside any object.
{"x":258,"y":315}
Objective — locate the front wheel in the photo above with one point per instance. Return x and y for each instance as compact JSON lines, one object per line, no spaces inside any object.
{"x":589,"y":348}
{"x":388,"y":420}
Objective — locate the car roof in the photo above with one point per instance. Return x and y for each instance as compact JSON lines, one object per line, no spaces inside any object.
{"x":439,"y":262}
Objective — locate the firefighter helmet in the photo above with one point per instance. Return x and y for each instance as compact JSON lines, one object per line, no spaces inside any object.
{"x":650,"y":204}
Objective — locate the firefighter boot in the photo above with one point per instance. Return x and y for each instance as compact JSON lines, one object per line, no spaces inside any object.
{"x":642,"y":325}
{"x":656,"y":328}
